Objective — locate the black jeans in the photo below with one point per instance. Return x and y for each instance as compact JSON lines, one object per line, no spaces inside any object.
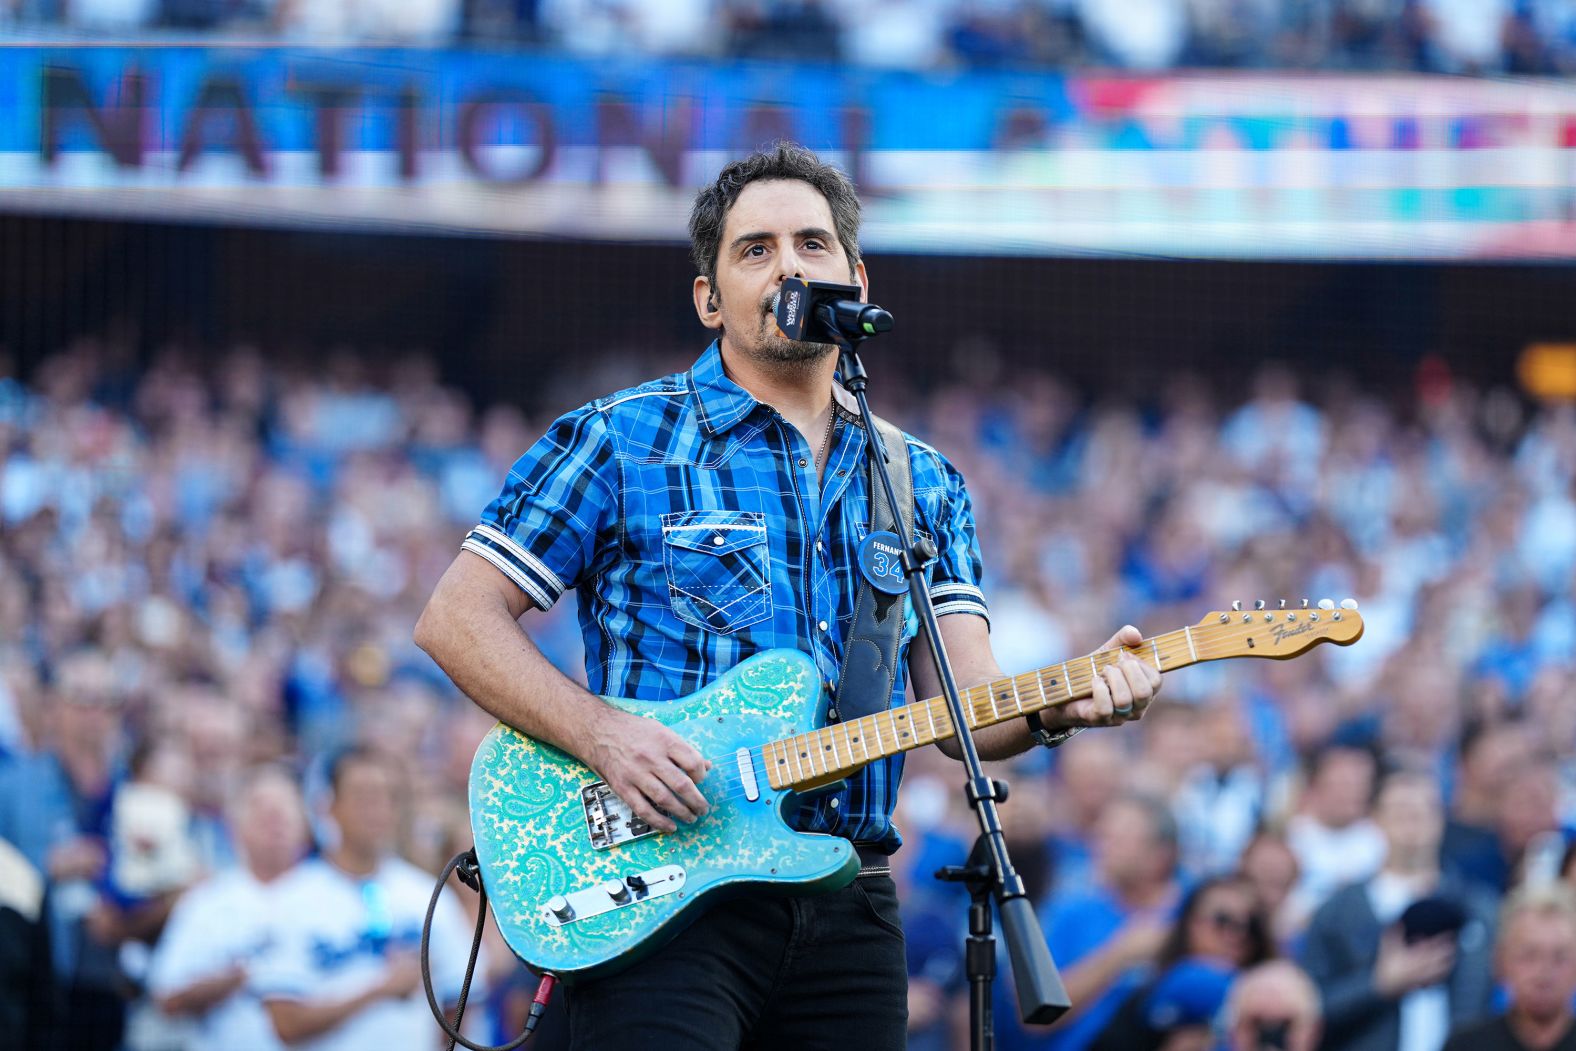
{"x":761,"y":972}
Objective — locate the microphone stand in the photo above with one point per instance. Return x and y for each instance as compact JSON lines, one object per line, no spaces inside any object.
{"x":1042,"y":998}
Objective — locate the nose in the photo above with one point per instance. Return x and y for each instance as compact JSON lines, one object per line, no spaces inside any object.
{"x":788,"y":265}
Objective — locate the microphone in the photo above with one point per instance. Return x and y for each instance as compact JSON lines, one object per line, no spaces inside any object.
{"x":822,"y":311}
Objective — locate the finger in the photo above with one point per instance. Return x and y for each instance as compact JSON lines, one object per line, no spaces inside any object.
{"x":1138,"y":684}
{"x":664,"y":793}
{"x":680,"y":784}
{"x":1126,"y":635}
{"x":1121,"y":695}
{"x":646,"y":802}
{"x":688,"y":759}
{"x":1100,"y":702}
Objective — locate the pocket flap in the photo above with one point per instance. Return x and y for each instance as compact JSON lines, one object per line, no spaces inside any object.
{"x":717,"y":532}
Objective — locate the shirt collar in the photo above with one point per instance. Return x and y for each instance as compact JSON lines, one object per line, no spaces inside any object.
{"x":722,"y":403}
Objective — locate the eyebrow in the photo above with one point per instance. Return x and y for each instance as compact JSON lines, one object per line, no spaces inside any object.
{"x":766,"y":235}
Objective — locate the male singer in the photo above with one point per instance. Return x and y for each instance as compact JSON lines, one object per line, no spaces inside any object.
{"x":702,"y":518}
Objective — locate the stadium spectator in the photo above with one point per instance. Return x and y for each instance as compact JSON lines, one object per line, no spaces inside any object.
{"x":1106,"y":937}
{"x":1401,"y":957}
{"x":1335,"y":840}
{"x":55,"y":809}
{"x":219,"y":928}
{"x":340,"y":970}
{"x":1535,"y":960}
{"x":1269,"y":865}
{"x":1273,"y":1007}
{"x":1220,"y":929}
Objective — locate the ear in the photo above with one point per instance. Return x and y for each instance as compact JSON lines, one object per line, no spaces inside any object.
{"x":706,"y":303}
{"x":862,"y":279}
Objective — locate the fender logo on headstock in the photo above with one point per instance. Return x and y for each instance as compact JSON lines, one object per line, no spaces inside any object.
{"x":1282,"y":633}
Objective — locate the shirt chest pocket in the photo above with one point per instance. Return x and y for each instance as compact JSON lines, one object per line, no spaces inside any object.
{"x":719,"y":575}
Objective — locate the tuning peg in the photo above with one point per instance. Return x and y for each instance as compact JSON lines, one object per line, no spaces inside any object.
{"x":1348,"y":603}
{"x":1304,"y":603}
{"x":1282,"y":603}
{"x":1259,"y":604}
{"x":1236,"y":605}
{"x":1325,"y":603}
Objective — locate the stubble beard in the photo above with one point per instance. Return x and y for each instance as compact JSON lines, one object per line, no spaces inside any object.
{"x":772,"y":348}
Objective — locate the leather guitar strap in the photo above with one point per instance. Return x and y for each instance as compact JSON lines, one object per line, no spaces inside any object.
{"x":875,"y":640}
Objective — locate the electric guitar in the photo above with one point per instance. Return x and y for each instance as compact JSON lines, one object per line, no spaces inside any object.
{"x":579,"y":886}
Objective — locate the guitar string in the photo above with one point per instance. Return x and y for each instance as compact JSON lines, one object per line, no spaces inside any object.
{"x":732,"y":781}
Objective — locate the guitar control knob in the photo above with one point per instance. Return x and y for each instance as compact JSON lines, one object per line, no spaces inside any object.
{"x":559,"y":906}
{"x":616,"y":890}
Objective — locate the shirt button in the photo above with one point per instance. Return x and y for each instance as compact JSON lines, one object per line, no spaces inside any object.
{"x":717,"y":540}
{"x":820,"y":546}
{"x":834,"y":804}
{"x":823,"y":625}
{"x":831,"y":713}
{"x":803,"y":462}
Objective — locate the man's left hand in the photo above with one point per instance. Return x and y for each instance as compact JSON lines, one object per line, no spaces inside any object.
{"x":1122,"y":691}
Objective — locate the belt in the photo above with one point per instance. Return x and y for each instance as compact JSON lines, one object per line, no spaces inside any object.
{"x":873,"y":861}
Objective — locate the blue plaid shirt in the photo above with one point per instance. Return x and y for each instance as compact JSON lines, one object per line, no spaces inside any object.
{"x":689,"y":518}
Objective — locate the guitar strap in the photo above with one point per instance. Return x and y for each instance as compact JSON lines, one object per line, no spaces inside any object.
{"x":874,"y":644}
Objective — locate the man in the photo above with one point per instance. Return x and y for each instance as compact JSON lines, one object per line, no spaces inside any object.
{"x":1335,"y":840}
{"x":341,"y":971}
{"x":703,"y":518}
{"x":219,"y":928}
{"x":1402,"y":956}
{"x":1273,"y":1007}
{"x":1105,"y":937}
{"x":1536,"y":962}
{"x":55,"y":809}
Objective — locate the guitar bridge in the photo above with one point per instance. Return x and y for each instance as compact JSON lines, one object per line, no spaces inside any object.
{"x":609,"y":821}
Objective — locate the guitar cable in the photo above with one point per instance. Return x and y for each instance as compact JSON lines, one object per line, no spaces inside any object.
{"x":471,"y":875}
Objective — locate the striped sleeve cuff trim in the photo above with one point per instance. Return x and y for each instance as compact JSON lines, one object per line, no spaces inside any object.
{"x":958,"y":589}
{"x":976,"y":608}
{"x":521,"y":555}
{"x":523,"y":580}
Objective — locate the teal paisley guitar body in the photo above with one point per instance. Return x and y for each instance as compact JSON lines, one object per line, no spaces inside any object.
{"x":579,"y":887}
{"x":535,"y":837}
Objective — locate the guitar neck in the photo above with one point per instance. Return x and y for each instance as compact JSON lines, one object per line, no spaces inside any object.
{"x":833,"y":752}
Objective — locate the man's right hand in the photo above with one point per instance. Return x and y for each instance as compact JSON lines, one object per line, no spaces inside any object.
{"x":1401,"y":968}
{"x":648,"y":766}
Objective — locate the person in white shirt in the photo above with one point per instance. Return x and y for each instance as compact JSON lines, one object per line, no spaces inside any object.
{"x":341,"y":972}
{"x":1335,"y":840}
{"x":219,"y":927}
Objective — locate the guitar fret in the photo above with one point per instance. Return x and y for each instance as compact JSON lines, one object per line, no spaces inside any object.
{"x":1155,"y":643}
{"x":831,"y":745}
{"x":1017,"y":702}
{"x":1192,"y":650}
{"x":931,"y":717}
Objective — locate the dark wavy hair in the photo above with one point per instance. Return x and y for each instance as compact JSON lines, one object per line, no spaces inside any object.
{"x":1176,"y":947}
{"x":785,"y":160}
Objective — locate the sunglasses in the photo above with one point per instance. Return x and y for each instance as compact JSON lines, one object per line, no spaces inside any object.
{"x":1229,"y":921}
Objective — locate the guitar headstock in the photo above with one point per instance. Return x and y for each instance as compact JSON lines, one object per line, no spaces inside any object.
{"x":1276,"y":633}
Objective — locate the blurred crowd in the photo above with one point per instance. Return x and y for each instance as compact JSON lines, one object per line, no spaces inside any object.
{"x":1449,"y":36}
{"x":210,"y":567}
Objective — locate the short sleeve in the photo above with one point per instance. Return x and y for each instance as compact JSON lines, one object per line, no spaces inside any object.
{"x":943,"y":504}
{"x":555,"y":515}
